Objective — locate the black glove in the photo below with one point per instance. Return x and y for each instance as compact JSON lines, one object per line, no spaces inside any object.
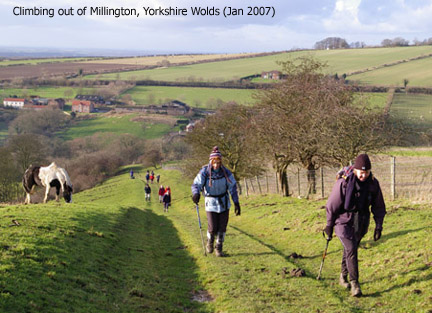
{"x":196,"y":198}
{"x":237,"y":209}
{"x":377,"y":234}
{"x":329,"y":232}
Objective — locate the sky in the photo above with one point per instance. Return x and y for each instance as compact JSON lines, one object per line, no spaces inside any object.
{"x":287,"y":24}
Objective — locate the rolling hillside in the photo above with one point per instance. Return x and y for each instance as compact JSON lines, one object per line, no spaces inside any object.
{"x":110,"y":251}
{"x":340,"y":61}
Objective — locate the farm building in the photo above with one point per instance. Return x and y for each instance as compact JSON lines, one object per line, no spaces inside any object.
{"x":93,"y":98}
{"x":82,"y":106}
{"x":171,"y":108}
{"x":53,"y":103}
{"x":14,"y":102}
{"x":276,"y":75}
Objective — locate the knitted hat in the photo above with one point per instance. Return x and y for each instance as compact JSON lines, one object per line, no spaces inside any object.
{"x":362,"y":162}
{"x":215,"y":153}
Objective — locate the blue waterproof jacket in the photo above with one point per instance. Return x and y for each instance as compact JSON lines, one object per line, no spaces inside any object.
{"x":216,"y":196}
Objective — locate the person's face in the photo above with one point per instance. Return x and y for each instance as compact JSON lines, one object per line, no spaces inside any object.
{"x":362,"y":175}
{"x":216,"y":163}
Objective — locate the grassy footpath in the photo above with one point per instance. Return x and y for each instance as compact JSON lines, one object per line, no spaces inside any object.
{"x":112,"y":252}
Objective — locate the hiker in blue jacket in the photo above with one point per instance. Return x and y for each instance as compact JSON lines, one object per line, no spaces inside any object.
{"x":215,"y":181}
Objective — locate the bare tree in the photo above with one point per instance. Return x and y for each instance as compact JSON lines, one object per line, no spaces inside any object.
{"x":311,"y":119}
{"x":232,"y":130}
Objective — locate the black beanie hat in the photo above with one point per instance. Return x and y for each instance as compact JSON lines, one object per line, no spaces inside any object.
{"x":362,"y":162}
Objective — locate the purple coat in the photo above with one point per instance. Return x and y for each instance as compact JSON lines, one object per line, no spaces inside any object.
{"x":343,"y":221}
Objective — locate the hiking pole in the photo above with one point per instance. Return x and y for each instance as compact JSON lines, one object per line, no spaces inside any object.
{"x":199,"y":222}
{"x":324,"y":255}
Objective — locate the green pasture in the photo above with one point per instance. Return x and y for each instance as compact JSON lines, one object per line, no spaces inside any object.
{"x":46,"y":92}
{"x":40,"y":61}
{"x":110,"y":251}
{"x":119,"y":124}
{"x":417,"y":72}
{"x":196,"y":97}
{"x":339,"y":61}
{"x":413,"y":109}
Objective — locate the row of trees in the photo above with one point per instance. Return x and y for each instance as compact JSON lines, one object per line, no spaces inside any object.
{"x":340,"y":43}
{"x":310,"y":119}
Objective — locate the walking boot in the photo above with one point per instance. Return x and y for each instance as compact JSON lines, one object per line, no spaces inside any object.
{"x":218,"y":250}
{"x":210,"y":243}
{"x":355,"y":288}
{"x":343,"y":281}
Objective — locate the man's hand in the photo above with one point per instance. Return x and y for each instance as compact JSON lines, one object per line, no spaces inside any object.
{"x":377,"y":234}
{"x":196,"y":198}
{"x":237,"y":209}
{"x":329,"y":232}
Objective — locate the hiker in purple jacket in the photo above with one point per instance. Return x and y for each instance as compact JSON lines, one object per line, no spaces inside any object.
{"x":348,"y":213}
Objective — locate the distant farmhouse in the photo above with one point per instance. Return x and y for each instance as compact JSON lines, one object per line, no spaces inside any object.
{"x":276,"y":75}
{"x":17,"y":103}
{"x":82,"y":106}
{"x":35,"y":103}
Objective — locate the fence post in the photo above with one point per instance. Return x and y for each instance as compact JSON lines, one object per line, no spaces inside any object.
{"x":246,"y":187}
{"x":259,"y":186}
{"x":322,"y":182}
{"x":277,"y":183}
{"x":393,"y":177}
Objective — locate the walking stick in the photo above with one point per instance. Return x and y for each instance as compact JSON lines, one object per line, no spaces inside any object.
{"x":199,"y":222}
{"x":324,"y":255}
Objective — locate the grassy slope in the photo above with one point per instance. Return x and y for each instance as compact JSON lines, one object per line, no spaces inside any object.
{"x":194,"y":96}
{"x":417,"y":72}
{"x":118,"y":125}
{"x":415,"y":110}
{"x":111,"y":252}
{"x":339,"y":61}
{"x":44,"y":92}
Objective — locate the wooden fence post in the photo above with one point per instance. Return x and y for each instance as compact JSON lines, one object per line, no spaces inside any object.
{"x":246,"y":187}
{"x":393,"y":178}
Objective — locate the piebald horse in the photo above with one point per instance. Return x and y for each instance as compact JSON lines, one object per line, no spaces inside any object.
{"x":47,"y":176}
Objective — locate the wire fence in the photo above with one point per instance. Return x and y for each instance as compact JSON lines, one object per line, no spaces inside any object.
{"x":399,"y":178}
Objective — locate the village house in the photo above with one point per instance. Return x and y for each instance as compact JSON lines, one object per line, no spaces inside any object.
{"x":17,"y":103}
{"x":276,"y":75}
{"x":82,"y":106}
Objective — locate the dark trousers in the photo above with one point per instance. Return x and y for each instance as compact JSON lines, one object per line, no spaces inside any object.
{"x":350,"y":258}
{"x":217,"y":222}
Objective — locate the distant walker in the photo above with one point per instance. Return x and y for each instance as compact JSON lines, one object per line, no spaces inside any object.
{"x":47,"y":176}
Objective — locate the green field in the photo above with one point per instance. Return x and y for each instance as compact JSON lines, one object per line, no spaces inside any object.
{"x":119,"y":124}
{"x":415,"y":110}
{"x":417,"y":72}
{"x":339,"y":61}
{"x":110,"y":251}
{"x":196,"y":97}
{"x":45,"y":92}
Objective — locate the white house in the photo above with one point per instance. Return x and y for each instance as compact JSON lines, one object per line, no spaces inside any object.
{"x":14,"y":102}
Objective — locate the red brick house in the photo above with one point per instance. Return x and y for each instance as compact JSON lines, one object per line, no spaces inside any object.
{"x":82,"y":106}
